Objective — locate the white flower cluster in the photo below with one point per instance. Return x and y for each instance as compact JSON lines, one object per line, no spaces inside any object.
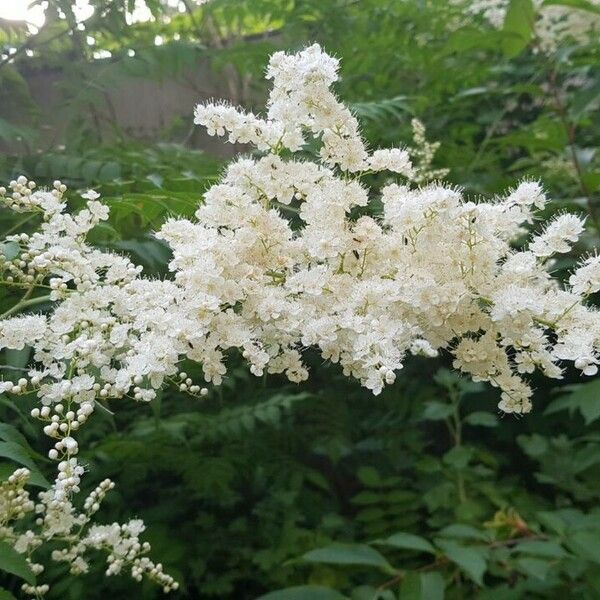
{"x":83,"y":351}
{"x":297,"y":108}
{"x":554,"y":23}
{"x":427,"y":271}
{"x":59,"y":522}
{"x":432,"y":271}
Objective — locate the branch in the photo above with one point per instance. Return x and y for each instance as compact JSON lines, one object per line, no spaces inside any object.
{"x":25,"y":303}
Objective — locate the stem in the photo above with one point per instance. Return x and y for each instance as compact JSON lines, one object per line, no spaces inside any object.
{"x":456,"y":429}
{"x":25,"y":303}
{"x":19,"y":224}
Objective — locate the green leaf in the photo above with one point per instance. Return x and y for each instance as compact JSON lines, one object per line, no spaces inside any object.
{"x":9,"y":433}
{"x":460,"y":530}
{"x":410,"y":588}
{"x":470,"y":559}
{"x":553,"y":521}
{"x":15,"y":452}
{"x":542,"y":548}
{"x":432,"y":586}
{"x":18,"y":454}
{"x":585,"y":544}
{"x":408,"y":541}
{"x":583,"y":397}
{"x":349,"y":554}
{"x":35,"y":478}
{"x":13,"y":562}
{"x":518,"y":26}
{"x":369,"y":476}
{"x":585,"y":101}
{"x":437,"y":411}
{"x":379,"y":110}
{"x":365,"y":498}
{"x":591,"y":179}
{"x":6,"y":595}
{"x":458,"y":457}
{"x":533,"y":445}
{"x":18,"y":358}
{"x":534,"y":567}
{"x":483,"y":419}
{"x":10,"y":250}
{"x":304,"y":592}
{"x":422,"y":586}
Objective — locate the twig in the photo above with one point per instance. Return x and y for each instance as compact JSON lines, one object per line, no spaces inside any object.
{"x":25,"y":303}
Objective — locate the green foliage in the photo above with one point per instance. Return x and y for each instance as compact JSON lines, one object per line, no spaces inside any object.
{"x":13,"y":562}
{"x":262,"y":489}
{"x":518,"y":26}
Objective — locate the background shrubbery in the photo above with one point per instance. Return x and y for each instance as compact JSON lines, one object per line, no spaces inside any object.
{"x":264,"y":485}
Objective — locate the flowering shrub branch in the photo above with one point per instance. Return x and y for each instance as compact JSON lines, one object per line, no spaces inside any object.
{"x":432,"y":272}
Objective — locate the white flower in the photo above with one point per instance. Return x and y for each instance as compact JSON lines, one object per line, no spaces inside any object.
{"x":90,"y":195}
{"x":558,"y":236}
{"x":394,"y":159}
{"x":18,"y":332}
{"x":586,"y":278}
